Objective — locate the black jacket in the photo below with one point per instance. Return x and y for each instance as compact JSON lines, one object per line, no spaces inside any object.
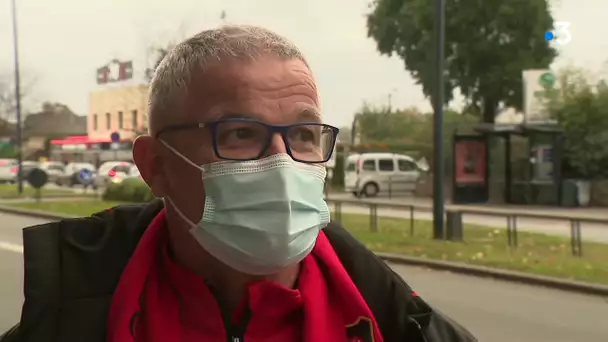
{"x":73,"y":266}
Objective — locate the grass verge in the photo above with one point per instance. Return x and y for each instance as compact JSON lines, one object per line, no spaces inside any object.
{"x":76,"y":208}
{"x":10,"y":191}
{"x":536,"y":253}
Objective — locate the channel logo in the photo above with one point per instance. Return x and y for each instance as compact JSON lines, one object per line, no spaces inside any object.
{"x":561,"y":34}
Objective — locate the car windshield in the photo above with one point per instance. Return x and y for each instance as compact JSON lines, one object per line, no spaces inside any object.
{"x":134,"y":171}
{"x":122,"y":168}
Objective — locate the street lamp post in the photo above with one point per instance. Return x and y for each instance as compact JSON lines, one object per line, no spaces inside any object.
{"x":17,"y":98}
{"x":438,"y":156}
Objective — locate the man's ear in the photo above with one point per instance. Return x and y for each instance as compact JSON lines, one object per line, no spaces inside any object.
{"x":148,"y":161}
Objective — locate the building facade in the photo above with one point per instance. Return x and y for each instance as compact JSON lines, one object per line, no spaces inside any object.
{"x":54,"y":121}
{"x":121,"y":110}
{"x":117,"y":109}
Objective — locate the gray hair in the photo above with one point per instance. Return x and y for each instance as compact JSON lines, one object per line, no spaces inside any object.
{"x":174,"y":74}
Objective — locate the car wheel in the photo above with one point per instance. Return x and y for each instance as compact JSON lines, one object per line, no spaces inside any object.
{"x":370,"y":190}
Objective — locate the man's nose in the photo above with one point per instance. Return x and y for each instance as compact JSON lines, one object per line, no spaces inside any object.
{"x":276,"y":146}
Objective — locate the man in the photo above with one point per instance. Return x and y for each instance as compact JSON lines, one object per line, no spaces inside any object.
{"x":240,"y":248}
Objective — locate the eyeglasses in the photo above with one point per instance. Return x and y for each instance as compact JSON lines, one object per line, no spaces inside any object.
{"x":243,"y":139}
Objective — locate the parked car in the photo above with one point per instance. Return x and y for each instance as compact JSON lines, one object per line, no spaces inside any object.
{"x":70,"y":176}
{"x":53,"y":169}
{"x":112,"y":172}
{"x":370,"y":174}
{"x":8,"y":170}
{"x":28,"y":166}
{"x":133,"y":173}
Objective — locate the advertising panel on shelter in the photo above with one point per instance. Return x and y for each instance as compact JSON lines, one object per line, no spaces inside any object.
{"x":470,"y":158}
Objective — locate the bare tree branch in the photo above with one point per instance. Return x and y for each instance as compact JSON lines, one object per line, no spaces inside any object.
{"x":8,"y":105}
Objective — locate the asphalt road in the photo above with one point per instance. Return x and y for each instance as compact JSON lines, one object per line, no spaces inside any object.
{"x":590,"y":231}
{"x":494,"y":311}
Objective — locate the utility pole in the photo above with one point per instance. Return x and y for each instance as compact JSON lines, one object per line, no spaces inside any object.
{"x":17,"y":99}
{"x":438,"y":156}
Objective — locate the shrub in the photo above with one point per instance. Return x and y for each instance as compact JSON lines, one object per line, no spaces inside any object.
{"x":337,"y":180}
{"x":129,"y":190}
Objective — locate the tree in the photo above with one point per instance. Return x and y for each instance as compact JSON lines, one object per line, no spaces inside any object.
{"x":7,"y":98}
{"x":380,"y":123}
{"x":580,"y":105}
{"x":8,"y":106}
{"x":345,"y":135}
{"x":159,"y":52}
{"x":488,"y":44}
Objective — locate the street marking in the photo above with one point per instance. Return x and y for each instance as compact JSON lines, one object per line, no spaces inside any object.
{"x":11,"y":247}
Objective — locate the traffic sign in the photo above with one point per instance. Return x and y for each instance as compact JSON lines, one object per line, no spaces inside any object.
{"x":115,"y":137}
{"x":37,"y":178}
{"x":85,"y":176}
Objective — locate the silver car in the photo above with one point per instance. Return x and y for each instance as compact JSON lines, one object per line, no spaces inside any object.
{"x":8,"y":170}
{"x":53,"y":169}
{"x":71,"y":177}
{"x":112,"y":172}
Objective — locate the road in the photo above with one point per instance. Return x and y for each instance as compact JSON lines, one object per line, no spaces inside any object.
{"x":590,"y":231}
{"x":495,"y":311}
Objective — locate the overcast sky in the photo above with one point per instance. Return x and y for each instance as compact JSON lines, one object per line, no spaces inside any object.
{"x":62,"y":43}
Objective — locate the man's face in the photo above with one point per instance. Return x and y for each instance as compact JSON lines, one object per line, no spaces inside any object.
{"x":273,"y":91}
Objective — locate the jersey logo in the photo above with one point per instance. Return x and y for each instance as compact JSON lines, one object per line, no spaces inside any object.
{"x":361,"y":330}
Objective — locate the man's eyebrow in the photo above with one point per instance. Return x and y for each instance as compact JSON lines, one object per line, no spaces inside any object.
{"x":235,"y":115}
{"x":309,"y":115}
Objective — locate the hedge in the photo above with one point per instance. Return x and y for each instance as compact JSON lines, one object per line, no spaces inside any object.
{"x":129,"y":190}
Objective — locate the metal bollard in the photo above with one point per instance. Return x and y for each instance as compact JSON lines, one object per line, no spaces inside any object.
{"x":454,"y":225}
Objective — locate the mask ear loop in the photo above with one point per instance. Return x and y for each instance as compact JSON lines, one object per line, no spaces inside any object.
{"x":180,"y":155}
{"x":193,"y":225}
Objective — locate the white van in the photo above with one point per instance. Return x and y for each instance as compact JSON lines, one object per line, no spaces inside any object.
{"x":370,"y":174}
{"x":330,"y":165}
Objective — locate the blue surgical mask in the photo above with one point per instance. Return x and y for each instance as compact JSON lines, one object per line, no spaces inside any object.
{"x":260,"y":215}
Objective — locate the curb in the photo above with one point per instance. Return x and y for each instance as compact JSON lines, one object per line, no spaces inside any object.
{"x":5,"y":209}
{"x":477,"y":271}
{"x":505,"y":275}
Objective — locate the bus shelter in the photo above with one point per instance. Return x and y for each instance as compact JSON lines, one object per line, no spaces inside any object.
{"x":537,"y":159}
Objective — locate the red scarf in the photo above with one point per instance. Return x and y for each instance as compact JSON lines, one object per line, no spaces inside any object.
{"x":148,"y":304}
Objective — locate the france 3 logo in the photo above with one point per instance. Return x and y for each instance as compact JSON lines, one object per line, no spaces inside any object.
{"x":561,"y":34}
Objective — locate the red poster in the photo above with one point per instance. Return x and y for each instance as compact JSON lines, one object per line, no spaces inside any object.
{"x":470,"y":158}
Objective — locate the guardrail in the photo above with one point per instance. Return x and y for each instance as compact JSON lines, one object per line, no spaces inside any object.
{"x":455,"y":212}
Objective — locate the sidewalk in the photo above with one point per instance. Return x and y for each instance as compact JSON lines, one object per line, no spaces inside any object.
{"x":599,"y":212}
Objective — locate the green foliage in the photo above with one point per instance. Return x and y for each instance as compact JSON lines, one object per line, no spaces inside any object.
{"x":129,"y":190}
{"x":405,"y":131}
{"x":581,"y":107}
{"x":337,"y":180}
{"x":488,"y":44}
{"x":7,"y":150}
{"x":408,"y":127}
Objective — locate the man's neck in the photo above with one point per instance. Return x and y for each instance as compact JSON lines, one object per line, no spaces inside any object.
{"x":228,"y":284}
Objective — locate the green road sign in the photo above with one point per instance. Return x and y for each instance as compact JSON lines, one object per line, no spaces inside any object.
{"x":547,"y":80}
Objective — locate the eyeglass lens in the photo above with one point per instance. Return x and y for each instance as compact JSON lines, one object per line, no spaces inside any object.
{"x":246,"y":140}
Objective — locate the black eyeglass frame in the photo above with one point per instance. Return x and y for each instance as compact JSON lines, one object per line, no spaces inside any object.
{"x":272,"y":129}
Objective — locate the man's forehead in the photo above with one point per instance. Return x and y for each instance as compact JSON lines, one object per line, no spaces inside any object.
{"x":253,"y":89}
{"x":268,"y":73}
{"x":301,"y":112}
